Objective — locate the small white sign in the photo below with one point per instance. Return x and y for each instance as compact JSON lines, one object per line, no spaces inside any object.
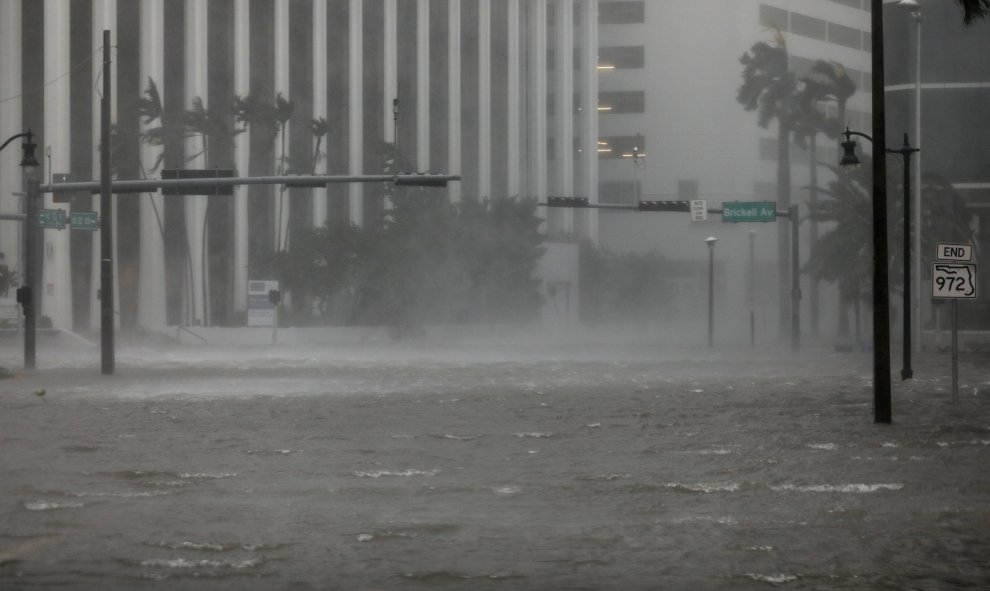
{"x":954,"y":252}
{"x":699,"y":210}
{"x":260,"y":309}
{"x":954,"y":281}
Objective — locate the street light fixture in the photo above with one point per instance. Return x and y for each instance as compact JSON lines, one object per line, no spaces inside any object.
{"x":26,"y":293}
{"x":849,"y":159}
{"x":711,"y":240}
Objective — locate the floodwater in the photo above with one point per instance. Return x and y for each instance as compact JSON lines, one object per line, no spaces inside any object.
{"x":418,"y":466}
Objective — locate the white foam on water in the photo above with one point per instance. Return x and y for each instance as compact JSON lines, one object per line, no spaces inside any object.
{"x":381,"y":473}
{"x":704,"y":487}
{"x":534,"y":435}
{"x":509,"y":489}
{"x":187,"y":563}
{"x":49,"y":505}
{"x":824,"y":446}
{"x":124,"y":495}
{"x":840,"y":488}
{"x":775,"y":579}
{"x":207,"y":475}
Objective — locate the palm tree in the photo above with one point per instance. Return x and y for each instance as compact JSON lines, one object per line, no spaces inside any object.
{"x":824,"y":82}
{"x":771,"y":89}
{"x":974,"y":9}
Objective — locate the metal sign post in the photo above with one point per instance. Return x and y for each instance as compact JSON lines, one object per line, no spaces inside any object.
{"x":954,"y":277}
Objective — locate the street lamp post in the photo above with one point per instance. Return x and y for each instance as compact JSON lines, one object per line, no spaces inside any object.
{"x":752,"y":288}
{"x":913,"y":7}
{"x":849,"y":158}
{"x":711,"y":240}
{"x":27,"y":293}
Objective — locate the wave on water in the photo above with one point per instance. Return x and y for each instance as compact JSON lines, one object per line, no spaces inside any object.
{"x":840,"y":488}
{"x":534,"y":435}
{"x":445,"y":575}
{"x":186,"y":563}
{"x":381,"y":473}
{"x":455,"y":437}
{"x":705,"y":488}
{"x":212,"y":546}
{"x":775,"y":579}
{"x":49,"y":505}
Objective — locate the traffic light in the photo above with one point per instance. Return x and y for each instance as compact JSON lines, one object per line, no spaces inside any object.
{"x":684,"y":206}
{"x":567,"y":202}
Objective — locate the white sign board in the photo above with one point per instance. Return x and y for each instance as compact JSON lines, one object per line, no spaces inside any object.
{"x":962,"y":253}
{"x":699,"y":210}
{"x":953,"y":281}
{"x":260,"y":310}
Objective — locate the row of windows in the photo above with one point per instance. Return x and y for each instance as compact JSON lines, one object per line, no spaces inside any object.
{"x":608,"y":146}
{"x":622,"y":13}
{"x":611,"y":58}
{"x":815,"y":28}
{"x":610,"y":102}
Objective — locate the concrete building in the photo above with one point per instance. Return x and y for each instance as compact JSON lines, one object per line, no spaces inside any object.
{"x":669,"y":74}
{"x":463,"y":86}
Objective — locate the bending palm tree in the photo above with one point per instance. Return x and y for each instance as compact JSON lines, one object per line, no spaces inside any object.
{"x":974,"y":9}
{"x":770,"y":89}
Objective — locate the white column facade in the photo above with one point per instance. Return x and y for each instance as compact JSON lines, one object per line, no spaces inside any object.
{"x":537,"y":129}
{"x":196,"y":86}
{"x":484,"y":99}
{"x":151,"y":269}
{"x":282,"y":140}
{"x":355,"y":102}
{"x":390,"y":69}
{"x":320,"y":105}
{"x":423,"y":85}
{"x":242,"y":151}
{"x":56,"y":285}
{"x":104,"y":18}
{"x":11,"y":122}
{"x":589,"y":117}
{"x":454,"y":97}
{"x":514,"y":104}
{"x":564,"y":107}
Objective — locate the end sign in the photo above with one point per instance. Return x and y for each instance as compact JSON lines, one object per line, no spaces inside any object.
{"x":954,"y":252}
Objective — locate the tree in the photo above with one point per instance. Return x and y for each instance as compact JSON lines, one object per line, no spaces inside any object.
{"x":771,"y":89}
{"x":974,"y":10}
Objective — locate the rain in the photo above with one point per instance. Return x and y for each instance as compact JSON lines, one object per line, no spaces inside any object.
{"x":528,"y":294}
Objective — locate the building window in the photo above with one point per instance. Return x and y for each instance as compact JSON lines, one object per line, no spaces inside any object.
{"x":620,"y":192}
{"x":620,"y":146}
{"x":621,"y":58}
{"x":771,"y":16}
{"x":846,"y":36}
{"x":621,"y":13}
{"x":807,"y":26}
{"x":623,"y":101}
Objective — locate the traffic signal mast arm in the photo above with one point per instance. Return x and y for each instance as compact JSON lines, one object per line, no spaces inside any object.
{"x":152,"y":185}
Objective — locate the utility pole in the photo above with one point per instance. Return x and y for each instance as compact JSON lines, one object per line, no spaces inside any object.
{"x":106,"y":221}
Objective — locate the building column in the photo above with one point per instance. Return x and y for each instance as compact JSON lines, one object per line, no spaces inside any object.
{"x":56,"y":285}
{"x":390,"y":69}
{"x":282,"y":139}
{"x":151,"y":269}
{"x":104,"y":18}
{"x":514,"y":107}
{"x":564,"y":107}
{"x":589,"y":117}
{"x":11,"y":122}
{"x":423,"y":86}
{"x":484,"y":99}
{"x":454,"y":97}
{"x":320,"y":106}
{"x":356,"y":105}
{"x":242,"y":151}
{"x":537,"y":128}
{"x":196,"y":81}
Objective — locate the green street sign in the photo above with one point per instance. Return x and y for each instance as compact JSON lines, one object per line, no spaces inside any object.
{"x":749,"y":211}
{"x":53,"y":219}
{"x":84,"y":220}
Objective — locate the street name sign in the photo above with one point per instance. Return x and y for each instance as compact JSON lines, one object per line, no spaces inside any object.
{"x":956,"y":281}
{"x":84,"y":220}
{"x":749,"y":211}
{"x":962,"y":253}
{"x":53,"y":219}
{"x":699,"y":210}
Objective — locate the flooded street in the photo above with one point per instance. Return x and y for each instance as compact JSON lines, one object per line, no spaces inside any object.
{"x":459,"y":467}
